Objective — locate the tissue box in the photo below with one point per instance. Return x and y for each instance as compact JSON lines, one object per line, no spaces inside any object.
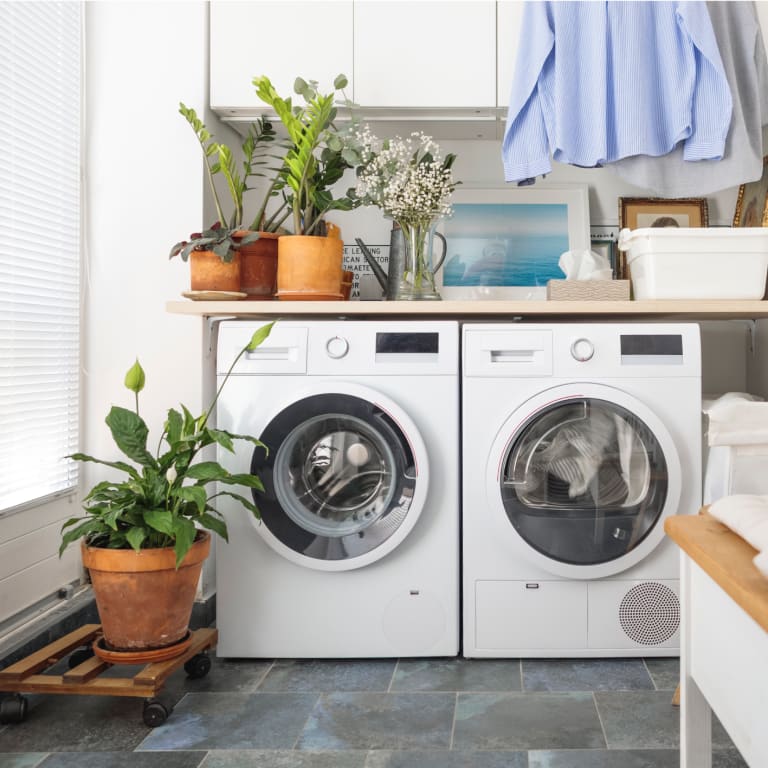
{"x":693,"y":263}
{"x":588,"y":290}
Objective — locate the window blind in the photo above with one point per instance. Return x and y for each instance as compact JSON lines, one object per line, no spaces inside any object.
{"x":40,"y":224}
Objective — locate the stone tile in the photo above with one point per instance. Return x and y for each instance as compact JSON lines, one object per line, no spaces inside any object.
{"x":605,"y":758}
{"x":665,"y":672}
{"x":727,"y":758}
{"x":284,"y":758}
{"x":380,"y":721}
{"x":639,"y":719}
{"x":585,"y":675}
{"x":527,"y":721}
{"x":69,"y":723}
{"x":479,"y":675}
{"x":235,"y":675}
{"x":324,"y":676}
{"x":442,"y":759}
{"x":233,"y":721}
{"x":123,"y":760}
{"x":21,"y":759}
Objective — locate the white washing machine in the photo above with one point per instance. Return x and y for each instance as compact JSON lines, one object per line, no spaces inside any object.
{"x":357,"y":550}
{"x":578,"y":441}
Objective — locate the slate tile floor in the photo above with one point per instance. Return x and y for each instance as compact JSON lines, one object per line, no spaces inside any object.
{"x":407,"y":713}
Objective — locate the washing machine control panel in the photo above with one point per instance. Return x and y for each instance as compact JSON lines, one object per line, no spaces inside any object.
{"x":582,"y":350}
{"x":336,"y":347}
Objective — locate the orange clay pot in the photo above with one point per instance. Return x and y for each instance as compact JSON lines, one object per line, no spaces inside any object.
{"x":309,"y":267}
{"x":258,"y":273}
{"x":144,"y":602}
{"x":208,"y":272}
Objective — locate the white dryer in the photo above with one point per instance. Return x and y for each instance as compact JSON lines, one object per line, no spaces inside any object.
{"x":357,"y":550}
{"x":578,"y":441}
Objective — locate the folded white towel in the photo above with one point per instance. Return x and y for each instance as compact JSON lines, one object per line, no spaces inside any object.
{"x":747,"y":516}
{"x":761,"y":561}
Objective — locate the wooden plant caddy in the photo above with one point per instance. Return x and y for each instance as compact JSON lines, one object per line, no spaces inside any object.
{"x":85,"y":669}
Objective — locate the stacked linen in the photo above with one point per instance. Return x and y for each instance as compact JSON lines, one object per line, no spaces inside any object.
{"x":747,"y":516}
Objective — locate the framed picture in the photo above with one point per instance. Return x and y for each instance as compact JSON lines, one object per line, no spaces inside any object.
{"x":505,"y":243}
{"x":636,"y":212}
{"x":752,"y":202}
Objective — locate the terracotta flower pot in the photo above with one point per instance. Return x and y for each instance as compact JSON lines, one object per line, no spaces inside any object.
{"x":208,"y":272}
{"x":144,"y":601}
{"x":309,"y":267}
{"x":258,"y":274}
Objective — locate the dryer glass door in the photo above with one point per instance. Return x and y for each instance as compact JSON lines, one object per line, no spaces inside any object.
{"x":339,"y":478}
{"x":584,"y":481}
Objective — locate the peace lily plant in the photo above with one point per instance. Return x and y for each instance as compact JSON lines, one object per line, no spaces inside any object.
{"x":164,"y":498}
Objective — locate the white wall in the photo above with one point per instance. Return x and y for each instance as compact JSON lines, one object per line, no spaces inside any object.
{"x":144,"y":193}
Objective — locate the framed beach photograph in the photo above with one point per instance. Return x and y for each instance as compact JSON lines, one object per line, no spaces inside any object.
{"x":752,"y":202}
{"x":637,"y":212}
{"x":505,"y":243}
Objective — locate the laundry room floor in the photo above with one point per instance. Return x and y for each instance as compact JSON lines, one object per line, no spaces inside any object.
{"x":407,"y":713}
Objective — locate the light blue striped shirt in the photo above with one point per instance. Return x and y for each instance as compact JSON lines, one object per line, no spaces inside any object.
{"x":598,"y":81}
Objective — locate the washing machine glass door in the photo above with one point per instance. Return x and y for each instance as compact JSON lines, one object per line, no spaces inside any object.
{"x":344,"y":479}
{"x":585,"y":481}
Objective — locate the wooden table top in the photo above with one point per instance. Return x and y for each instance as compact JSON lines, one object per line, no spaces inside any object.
{"x":726,"y":558}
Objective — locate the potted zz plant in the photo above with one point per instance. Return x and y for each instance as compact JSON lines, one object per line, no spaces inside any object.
{"x":230,"y":256}
{"x":144,"y":538}
{"x":310,"y":260}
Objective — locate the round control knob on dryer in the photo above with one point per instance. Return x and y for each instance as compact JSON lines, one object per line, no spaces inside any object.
{"x":336,"y":347}
{"x":582,"y":350}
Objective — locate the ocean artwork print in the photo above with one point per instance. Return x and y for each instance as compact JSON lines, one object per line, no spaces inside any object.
{"x":505,"y":245}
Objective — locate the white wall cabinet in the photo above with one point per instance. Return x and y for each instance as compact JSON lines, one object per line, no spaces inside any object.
{"x":509,"y":17}
{"x":425,"y":54}
{"x":282,"y":40}
{"x":398,"y":56}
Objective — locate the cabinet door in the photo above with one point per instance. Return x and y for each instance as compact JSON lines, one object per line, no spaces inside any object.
{"x":282,"y":40}
{"x":425,"y":54}
{"x":508,"y":21}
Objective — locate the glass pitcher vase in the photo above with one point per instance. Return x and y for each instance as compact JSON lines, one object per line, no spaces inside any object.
{"x":417,"y":281}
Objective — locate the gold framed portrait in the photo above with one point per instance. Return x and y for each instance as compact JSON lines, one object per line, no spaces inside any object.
{"x":752,"y":202}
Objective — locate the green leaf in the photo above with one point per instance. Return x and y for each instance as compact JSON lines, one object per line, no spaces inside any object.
{"x":160,"y":519}
{"x":121,"y":465}
{"x":207,"y":471}
{"x":245,"y":502}
{"x":224,"y":439}
{"x":259,"y":335}
{"x":135,"y":378}
{"x":173,"y":426}
{"x":215,"y":524}
{"x":194,"y":493}
{"x":340,"y":82}
{"x":135,"y":537}
{"x":185,"y":532}
{"x":249,"y":481}
{"x":130,"y":435}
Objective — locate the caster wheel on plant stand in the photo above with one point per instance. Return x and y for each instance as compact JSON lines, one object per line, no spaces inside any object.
{"x":13,"y":709}
{"x":155,"y":712}
{"x":198,"y":666}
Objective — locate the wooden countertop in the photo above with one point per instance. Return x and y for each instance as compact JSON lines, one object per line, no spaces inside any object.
{"x":479,"y":309}
{"x":726,"y":558}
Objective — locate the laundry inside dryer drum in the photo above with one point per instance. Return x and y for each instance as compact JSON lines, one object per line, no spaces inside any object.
{"x":584,"y":481}
{"x":337,"y":483}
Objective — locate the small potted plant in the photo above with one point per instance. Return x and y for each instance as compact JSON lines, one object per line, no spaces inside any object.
{"x":230,"y":256}
{"x":309,"y":262}
{"x":144,"y":538}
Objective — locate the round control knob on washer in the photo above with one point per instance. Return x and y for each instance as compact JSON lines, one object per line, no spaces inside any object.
{"x":336,"y":347}
{"x":582,"y":350}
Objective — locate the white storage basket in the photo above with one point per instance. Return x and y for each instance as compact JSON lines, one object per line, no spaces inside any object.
{"x":696,"y":263}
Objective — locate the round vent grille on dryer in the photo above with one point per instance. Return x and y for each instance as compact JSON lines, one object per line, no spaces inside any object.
{"x":650,"y":613}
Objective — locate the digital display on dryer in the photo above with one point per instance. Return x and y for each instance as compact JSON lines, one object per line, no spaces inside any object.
{"x":652,"y":344}
{"x":413,"y":343}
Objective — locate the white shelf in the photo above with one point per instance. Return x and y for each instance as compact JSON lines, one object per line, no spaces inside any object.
{"x":692,"y":310}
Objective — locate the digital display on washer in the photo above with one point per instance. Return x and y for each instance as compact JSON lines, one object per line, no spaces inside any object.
{"x":415,"y":343}
{"x":651,"y":344}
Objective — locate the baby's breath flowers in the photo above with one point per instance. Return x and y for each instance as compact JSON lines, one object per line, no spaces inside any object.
{"x":407,"y":178}
{"x":412,"y":183}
